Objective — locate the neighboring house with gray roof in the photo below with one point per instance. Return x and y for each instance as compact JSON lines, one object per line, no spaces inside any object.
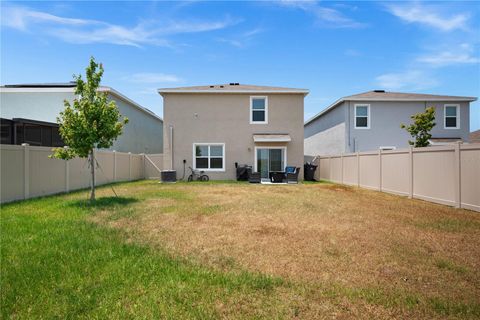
{"x":371,"y":120}
{"x":475,"y":136}
{"x":29,"y":113}
{"x":214,"y":127}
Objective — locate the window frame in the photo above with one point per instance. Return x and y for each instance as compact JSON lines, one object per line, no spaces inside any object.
{"x":457,"y":107}
{"x":369,"y":117}
{"x":266,"y":110}
{"x":209,"y":144}
{"x":255,"y":159}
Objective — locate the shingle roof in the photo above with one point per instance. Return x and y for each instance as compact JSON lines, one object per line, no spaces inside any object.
{"x":232,"y":88}
{"x":401,"y":96}
{"x":381,"y":95}
{"x":474,"y":137}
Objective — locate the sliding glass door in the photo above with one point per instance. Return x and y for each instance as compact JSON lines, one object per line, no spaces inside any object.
{"x":270,"y":160}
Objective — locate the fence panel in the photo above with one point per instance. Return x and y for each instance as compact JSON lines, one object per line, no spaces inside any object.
{"x":153,"y":165}
{"x":79,"y":174}
{"x":27,"y":171}
{"x":434,"y":175}
{"x":43,"y":169}
{"x":12,"y":172}
{"x":336,"y":169}
{"x":104,"y":168}
{"x":323,"y":169}
{"x":122,"y":166}
{"x":350,"y":175}
{"x":369,"y":171}
{"x":470,"y":178}
{"x":395,"y":172}
{"x":137,"y":167}
{"x":443,"y":174}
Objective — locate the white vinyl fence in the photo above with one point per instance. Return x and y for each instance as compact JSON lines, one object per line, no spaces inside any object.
{"x":153,"y":165}
{"x":28,"y":172}
{"x":448,"y":175}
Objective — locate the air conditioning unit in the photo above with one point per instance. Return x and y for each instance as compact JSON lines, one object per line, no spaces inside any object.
{"x":168,"y":175}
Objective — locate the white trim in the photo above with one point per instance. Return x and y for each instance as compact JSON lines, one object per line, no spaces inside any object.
{"x":287,"y":138}
{"x":285,"y":163}
{"x":194,"y":160}
{"x":369,"y":118}
{"x":457,"y":107}
{"x":251,"y":109}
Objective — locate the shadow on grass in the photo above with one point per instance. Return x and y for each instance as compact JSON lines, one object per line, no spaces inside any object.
{"x":104,"y":202}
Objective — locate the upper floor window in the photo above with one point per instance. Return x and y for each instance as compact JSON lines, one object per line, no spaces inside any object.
{"x":451,"y":116}
{"x":362,"y":116}
{"x":258,"y":110}
{"x":209,"y":156}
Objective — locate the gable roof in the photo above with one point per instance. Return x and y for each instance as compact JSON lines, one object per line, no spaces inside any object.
{"x":381,"y":95}
{"x":474,"y":137}
{"x":232,"y":88}
{"x":69,"y":87}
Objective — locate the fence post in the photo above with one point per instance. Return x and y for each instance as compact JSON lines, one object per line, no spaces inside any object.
{"x":380,"y":169}
{"x":330,"y":168}
{"x":114,"y":166}
{"x":143,"y":166}
{"x":410,"y":172}
{"x":458,"y":184}
{"x":67,"y":176}
{"x":358,"y":169}
{"x":341,"y":162}
{"x":129,"y":166}
{"x":94,"y":154}
{"x":26,"y":171}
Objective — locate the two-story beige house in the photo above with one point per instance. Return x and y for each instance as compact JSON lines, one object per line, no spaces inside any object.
{"x":213,"y":127}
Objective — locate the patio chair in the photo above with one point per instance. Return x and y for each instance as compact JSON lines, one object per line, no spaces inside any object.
{"x":291,"y":174}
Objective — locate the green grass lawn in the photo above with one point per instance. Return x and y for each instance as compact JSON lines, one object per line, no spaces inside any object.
{"x":235,"y":250}
{"x":55,"y":264}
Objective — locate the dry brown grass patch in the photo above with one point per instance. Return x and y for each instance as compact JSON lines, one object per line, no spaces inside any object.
{"x":324,"y":235}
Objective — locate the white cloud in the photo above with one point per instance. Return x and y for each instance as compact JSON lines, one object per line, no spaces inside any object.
{"x":242,"y":40}
{"x":147,"y":77}
{"x":92,"y":31}
{"x":429,"y":15}
{"x":325,"y":16}
{"x":464,"y":54}
{"x":410,"y":80}
{"x":20,"y":18}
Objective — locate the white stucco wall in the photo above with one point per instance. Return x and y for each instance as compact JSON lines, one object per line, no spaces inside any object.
{"x":143,"y":133}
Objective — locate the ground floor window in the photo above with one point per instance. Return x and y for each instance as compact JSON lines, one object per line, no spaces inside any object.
{"x":270,"y":159}
{"x":209,"y":156}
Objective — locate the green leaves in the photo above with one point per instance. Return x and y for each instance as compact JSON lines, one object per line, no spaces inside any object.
{"x":91,"y":121}
{"x":423,"y":123}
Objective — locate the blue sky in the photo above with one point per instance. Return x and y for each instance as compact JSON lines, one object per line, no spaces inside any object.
{"x":332,"y":48}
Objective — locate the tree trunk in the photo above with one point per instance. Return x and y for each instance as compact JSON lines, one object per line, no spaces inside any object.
{"x":92,"y":171}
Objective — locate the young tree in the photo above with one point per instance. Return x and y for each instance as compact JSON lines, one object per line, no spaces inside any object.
{"x":420,"y":129}
{"x":90,"y":122}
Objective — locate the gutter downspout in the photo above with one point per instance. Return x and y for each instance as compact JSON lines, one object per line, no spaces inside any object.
{"x":348,"y":126}
{"x":171,"y":147}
